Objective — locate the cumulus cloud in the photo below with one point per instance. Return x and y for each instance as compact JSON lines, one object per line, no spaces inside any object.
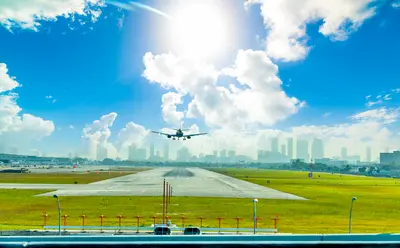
{"x":169,"y":110}
{"x":286,"y":22}
{"x":396,"y":4}
{"x":132,"y":133}
{"x":97,"y":134}
{"x":257,"y":98}
{"x":7,"y":82}
{"x":28,"y":14}
{"x":383,"y":114}
{"x":15,"y":128}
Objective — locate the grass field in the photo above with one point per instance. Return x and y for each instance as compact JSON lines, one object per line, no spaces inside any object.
{"x":326,"y":211}
{"x":60,"y":178}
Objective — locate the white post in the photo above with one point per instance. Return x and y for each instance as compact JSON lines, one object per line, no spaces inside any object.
{"x":255,"y":214}
{"x":351,"y":212}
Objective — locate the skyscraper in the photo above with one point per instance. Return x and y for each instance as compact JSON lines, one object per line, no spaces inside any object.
{"x":151,"y":155}
{"x":317,"y":149}
{"x":274,"y":145}
{"x":166,"y":151}
{"x":101,"y":152}
{"x":132,"y":152}
{"x":283,"y":149}
{"x":368,"y":154}
{"x":290,"y":148}
{"x":344,"y":153}
{"x":302,"y":150}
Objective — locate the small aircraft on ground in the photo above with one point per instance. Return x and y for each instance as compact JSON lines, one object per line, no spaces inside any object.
{"x":179,"y":134}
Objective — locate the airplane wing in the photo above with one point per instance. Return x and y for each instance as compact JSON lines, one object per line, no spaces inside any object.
{"x":194,"y":134}
{"x":166,"y":134}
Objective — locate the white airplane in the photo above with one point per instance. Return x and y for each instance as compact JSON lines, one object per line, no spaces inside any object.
{"x":179,"y":134}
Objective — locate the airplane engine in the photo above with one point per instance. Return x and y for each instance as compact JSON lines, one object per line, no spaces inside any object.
{"x":188,"y":137}
{"x":168,"y":136}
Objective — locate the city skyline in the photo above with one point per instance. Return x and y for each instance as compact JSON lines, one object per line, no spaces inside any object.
{"x":310,"y":76}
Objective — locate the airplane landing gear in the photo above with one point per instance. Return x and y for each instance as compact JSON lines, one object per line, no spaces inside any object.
{"x":173,"y":139}
{"x":184,"y":138}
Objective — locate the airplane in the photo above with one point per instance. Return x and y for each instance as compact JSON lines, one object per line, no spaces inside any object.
{"x":179,"y":134}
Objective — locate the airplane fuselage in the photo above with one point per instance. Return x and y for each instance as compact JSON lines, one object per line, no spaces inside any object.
{"x":179,"y":133}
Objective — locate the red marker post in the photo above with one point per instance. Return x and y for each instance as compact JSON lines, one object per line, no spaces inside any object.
{"x":83,"y":222}
{"x":166,"y":199}
{"x":138,"y":223}
{"x":65,"y":221}
{"x":219,"y":224}
{"x":101,"y":223}
{"x":45,"y":217}
{"x":275,"y":219}
{"x":154,"y":220}
{"x":183,"y":221}
{"x":163,"y":204}
{"x":237,"y":223}
{"x":120,"y":221}
{"x":201,"y":221}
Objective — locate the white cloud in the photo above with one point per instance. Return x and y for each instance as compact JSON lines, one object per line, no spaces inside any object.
{"x":132,"y":133}
{"x":387,"y":97}
{"x":27,"y":14}
{"x":372,"y":103}
{"x":97,"y":134}
{"x":49,"y":97}
{"x":396,"y":90}
{"x":396,"y":4}
{"x":326,"y":114}
{"x":286,"y":21}
{"x":383,"y":114}
{"x":258,"y":99}
{"x":7,"y":83}
{"x":71,"y":127}
{"x":15,"y":128}
{"x":169,"y":112}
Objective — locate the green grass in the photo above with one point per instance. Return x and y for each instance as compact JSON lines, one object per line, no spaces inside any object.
{"x":59,"y":178}
{"x":326,"y":211}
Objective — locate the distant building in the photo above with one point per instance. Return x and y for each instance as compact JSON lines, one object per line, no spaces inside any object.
{"x":151,"y":152}
{"x":390,"y":158}
{"x":141,"y":154}
{"x":302,"y":150}
{"x":183,"y":154}
{"x":166,"y":151}
{"x":283,"y":149}
{"x":330,"y":162}
{"x":101,"y":152}
{"x":215,"y":153}
{"x":290,"y":148}
{"x":274,"y":145}
{"x":13,"y":150}
{"x":132,"y":152}
{"x":368,"y":154}
{"x":343,"y":153}
{"x":317,"y":149}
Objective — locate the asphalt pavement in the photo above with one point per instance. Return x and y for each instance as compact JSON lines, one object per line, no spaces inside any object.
{"x":184,"y":181}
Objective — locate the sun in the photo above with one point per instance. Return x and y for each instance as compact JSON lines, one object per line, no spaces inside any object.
{"x":198,"y":31}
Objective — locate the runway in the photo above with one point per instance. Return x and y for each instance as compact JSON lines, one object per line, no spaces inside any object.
{"x":184,"y":181}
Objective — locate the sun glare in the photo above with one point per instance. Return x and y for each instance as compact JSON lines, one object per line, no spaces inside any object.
{"x":198,"y":31}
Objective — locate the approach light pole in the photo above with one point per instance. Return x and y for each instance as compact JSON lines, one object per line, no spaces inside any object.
{"x":351,"y":212}
{"x":255,"y":214}
{"x":59,"y":214}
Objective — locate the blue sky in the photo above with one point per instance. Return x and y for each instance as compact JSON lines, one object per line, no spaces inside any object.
{"x":93,"y":68}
